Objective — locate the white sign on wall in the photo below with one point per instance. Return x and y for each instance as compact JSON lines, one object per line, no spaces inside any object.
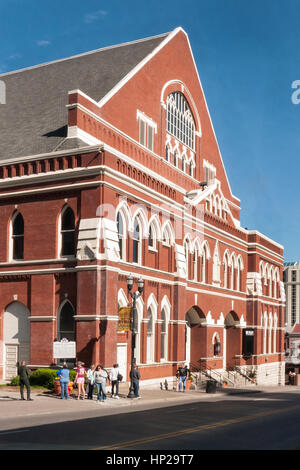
{"x":64,"y":349}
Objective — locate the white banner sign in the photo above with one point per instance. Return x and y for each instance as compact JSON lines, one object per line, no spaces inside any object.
{"x":64,"y":349}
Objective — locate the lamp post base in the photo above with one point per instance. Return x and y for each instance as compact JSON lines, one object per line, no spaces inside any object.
{"x":131,"y":392}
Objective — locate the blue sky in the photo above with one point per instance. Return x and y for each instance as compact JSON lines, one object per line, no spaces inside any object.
{"x":247,"y":54}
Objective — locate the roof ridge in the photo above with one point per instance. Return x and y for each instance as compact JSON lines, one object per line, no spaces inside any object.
{"x":44,"y":64}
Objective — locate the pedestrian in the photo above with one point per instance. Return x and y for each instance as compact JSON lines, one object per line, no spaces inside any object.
{"x":79,"y":379}
{"x":182,"y":374}
{"x":115,"y":378}
{"x":90,"y":381}
{"x":64,"y":382}
{"x":24,"y":380}
{"x":135,"y":377}
{"x":101,"y":377}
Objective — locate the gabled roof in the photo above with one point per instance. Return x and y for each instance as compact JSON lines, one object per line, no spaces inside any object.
{"x":34,"y":119}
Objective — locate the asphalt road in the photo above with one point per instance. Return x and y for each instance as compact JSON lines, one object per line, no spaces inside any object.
{"x":254,"y":421}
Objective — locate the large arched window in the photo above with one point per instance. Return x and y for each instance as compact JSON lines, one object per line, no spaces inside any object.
{"x":66,"y":322}
{"x":180,"y":121}
{"x":18,"y":237}
{"x":67,"y":232}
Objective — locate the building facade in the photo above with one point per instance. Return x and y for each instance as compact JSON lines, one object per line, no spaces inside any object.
{"x":291,"y":278}
{"x":109,"y":167}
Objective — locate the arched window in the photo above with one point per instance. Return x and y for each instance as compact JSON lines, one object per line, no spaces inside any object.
{"x":265,"y":326}
{"x":168,"y":153}
{"x":205,"y":258}
{"x":165,"y":319}
{"x":226,"y":263}
{"x":164,"y":336}
{"x":150,"y":336}
{"x":180,"y":121}
{"x":67,"y":232}
{"x":151,"y":238}
{"x":270,"y":332}
{"x":166,"y":238}
{"x":239,"y":279}
{"x":121,"y":235}
{"x":136,"y":242}
{"x":176,"y":158}
{"x":66,"y":322}
{"x":18,"y":237}
{"x":195,"y":262}
{"x":187,"y":257}
{"x":275,"y":332}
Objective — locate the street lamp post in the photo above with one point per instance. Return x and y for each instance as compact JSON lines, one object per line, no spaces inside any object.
{"x":135,"y":296}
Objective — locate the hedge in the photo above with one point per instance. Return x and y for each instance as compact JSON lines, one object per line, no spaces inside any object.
{"x":43,"y":378}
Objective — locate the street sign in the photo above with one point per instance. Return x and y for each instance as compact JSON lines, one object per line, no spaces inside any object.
{"x":124,"y":323}
{"x":64,"y":349}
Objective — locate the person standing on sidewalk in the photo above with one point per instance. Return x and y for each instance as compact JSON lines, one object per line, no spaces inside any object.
{"x":90,"y":381}
{"x":182,"y":373}
{"x":101,"y":377}
{"x":115,"y":378}
{"x":24,"y":380}
{"x":64,"y":382}
{"x":135,"y":376}
{"x":79,"y":379}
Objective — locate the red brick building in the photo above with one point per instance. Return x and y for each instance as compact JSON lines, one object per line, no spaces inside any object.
{"x":110,"y":166}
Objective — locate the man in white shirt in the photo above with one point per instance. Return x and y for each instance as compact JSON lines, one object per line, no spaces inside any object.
{"x":115,"y":378}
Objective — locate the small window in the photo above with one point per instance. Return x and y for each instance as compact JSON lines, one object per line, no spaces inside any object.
{"x":142,"y":138}
{"x":68,"y":233}
{"x":150,"y":137}
{"x":167,"y":153}
{"x":151,"y":241}
{"x":18,"y":237}
{"x":121,"y":235}
{"x":136,"y":242}
{"x":147,"y":128}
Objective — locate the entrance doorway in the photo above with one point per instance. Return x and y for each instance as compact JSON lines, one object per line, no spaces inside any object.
{"x":231,"y":340}
{"x":194,"y":333}
{"x":122,"y":359}
{"x":16,"y":337}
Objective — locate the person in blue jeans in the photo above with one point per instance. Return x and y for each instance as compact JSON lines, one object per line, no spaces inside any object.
{"x":182,"y":374}
{"x":101,"y":376}
{"x":64,"y":382}
{"x":135,"y":376}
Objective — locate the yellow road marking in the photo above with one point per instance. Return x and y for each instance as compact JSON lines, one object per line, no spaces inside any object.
{"x":195,"y":429}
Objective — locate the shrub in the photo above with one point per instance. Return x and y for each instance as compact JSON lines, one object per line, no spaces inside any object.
{"x":42,"y":378}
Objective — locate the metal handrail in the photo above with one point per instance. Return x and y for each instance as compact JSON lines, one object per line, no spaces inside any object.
{"x":206,"y":370}
{"x":241,"y":372}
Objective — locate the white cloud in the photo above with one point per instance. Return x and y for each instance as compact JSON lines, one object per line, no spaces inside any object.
{"x":94,"y":16}
{"x":42,"y":42}
{"x":14,"y":56}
